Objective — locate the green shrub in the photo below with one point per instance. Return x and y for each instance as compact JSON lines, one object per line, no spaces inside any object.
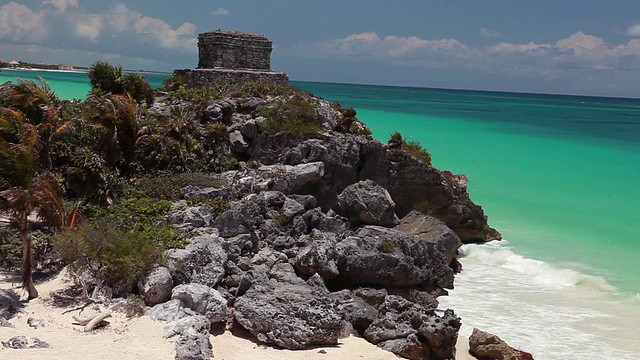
{"x":412,"y":147}
{"x":387,"y":246}
{"x":173,"y":83}
{"x":296,"y":115}
{"x":10,"y":248}
{"x":168,"y":186}
{"x":111,"y":254}
{"x":219,"y":204}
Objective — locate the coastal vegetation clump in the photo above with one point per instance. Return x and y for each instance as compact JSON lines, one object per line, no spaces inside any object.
{"x":412,"y":147}
{"x":113,"y":80}
{"x":295,"y":115}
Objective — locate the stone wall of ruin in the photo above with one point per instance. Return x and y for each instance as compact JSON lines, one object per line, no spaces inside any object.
{"x":208,"y":77}
{"x":234,"y":50}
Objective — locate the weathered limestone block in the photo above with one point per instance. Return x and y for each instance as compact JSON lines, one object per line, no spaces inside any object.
{"x":234,"y":50}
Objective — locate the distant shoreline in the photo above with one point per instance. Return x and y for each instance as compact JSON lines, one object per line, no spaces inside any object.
{"x":84,"y":70}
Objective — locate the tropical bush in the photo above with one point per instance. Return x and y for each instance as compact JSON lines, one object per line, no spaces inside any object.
{"x":412,"y":147}
{"x":109,"y":253}
{"x":112,"y":79}
{"x":295,"y":115}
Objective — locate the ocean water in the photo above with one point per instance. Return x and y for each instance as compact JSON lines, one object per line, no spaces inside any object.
{"x":559,"y":176}
{"x":68,"y":84}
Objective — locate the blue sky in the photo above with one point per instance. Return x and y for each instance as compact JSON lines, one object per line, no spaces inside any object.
{"x":587,"y":47}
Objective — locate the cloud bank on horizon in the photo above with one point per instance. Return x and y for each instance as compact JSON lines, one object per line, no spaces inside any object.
{"x":70,"y":31}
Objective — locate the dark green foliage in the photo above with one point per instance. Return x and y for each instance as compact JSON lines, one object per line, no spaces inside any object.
{"x":10,"y":248}
{"x":139,"y":88}
{"x":387,"y":246}
{"x":168,"y":186}
{"x":223,"y":162}
{"x":109,"y":252}
{"x":219,"y":204}
{"x":106,"y":77}
{"x":173,"y":83}
{"x":416,"y":149}
{"x":296,"y":115}
{"x":412,"y":147}
{"x":396,"y":139}
{"x":349,"y":112}
{"x":112,"y":79}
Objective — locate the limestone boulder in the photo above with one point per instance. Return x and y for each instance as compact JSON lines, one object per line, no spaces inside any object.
{"x":288,"y":315}
{"x":379,"y":256}
{"x":432,"y":230}
{"x":203,"y":300}
{"x":156,"y":287}
{"x":366,"y":202}
{"x":413,"y":332}
{"x":201,"y":261}
{"x":484,"y":345}
{"x":320,"y":256}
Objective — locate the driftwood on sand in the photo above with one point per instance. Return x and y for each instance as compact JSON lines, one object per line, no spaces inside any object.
{"x":90,"y":322}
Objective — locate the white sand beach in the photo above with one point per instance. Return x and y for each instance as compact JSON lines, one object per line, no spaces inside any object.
{"x":140,"y":338}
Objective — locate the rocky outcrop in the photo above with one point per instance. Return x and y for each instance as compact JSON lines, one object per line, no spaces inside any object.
{"x":311,"y":247}
{"x":366,"y":202}
{"x":483,"y":346}
{"x":432,"y":230}
{"x":288,"y":315}
{"x":201,"y":261}
{"x":156,"y":287}
{"x":193,"y":338}
{"x":378,"y":256}
{"x":21,"y":342}
{"x":414,"y":332}
{"x":203,"y":300}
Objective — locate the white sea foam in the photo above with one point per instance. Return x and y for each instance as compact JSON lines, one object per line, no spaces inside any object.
{"x":552,"y":312}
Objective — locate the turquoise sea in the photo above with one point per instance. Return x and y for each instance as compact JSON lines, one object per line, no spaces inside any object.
{"x":559,"y":176}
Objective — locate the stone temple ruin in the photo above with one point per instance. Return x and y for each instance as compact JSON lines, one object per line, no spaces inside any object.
{"x":232,"y":57}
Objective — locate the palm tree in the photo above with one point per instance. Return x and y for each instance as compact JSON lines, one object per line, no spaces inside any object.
{"x":23,"y":189}
{"x":106,"y":77}
{"x":37,"y":103}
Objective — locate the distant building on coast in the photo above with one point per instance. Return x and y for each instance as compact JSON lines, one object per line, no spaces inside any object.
{"x":233,"y":57}
{"x":14,"y":64}
{"x":65,"y":67}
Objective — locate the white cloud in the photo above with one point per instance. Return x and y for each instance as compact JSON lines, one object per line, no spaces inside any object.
{"x":221,"y":12}
{"x":577,"y":53}
{"x":120,"y":29}
{"x":89,"y":27}
{"x":489,"y":33}
{"x":60,"y":5}
{"x":18,"y":23}
{"x":634,"y":30}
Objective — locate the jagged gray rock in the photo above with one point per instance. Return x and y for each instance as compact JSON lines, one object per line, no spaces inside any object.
{"x":291,"y":316}
{"x":380,"y":256}
{"x":156,"y":287}
{"x":201,"y":261}
{"x":320,"y":256}
{"x":355,"y":310}
{"x":433,"y":230}
{"x":484,"y":345}
{"x":414,"y":332}
{"x":21,"y":342}
{"x":238,"y":144}
{"x":203,"y":300}
{"x":191,"y":217}
{"x":193,"y":342}
{"x":171,"y":310}
{"x":366,"y":202}
{"x":35,"y":323}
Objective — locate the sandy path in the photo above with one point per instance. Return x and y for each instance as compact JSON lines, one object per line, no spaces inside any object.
{"x":140,"y":338}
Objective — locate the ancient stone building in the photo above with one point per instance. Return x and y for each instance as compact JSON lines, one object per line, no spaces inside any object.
{"x":233,"y":57}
